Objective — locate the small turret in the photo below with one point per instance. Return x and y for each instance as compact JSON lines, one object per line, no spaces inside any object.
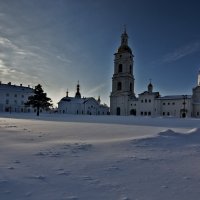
{"x":99,"y":100}
{"x":67,"y":93}
{"x":150,"y":87}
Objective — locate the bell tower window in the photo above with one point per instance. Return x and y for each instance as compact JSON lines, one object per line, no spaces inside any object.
{"x":120,"y":68}
{"x":119,"y":86}
{"x":131,"y":87}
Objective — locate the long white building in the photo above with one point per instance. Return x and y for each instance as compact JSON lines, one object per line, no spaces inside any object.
{"x":81,"y":106}
{"x":13,"y":97}
{"x":123,"y":100}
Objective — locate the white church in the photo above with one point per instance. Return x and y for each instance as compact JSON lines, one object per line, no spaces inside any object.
{"x":81,"y":105}
{"x":123,"y":100}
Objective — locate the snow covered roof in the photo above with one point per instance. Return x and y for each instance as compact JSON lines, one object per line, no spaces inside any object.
{"x":17,"y":88}
{"x":149,"y":93}
{"x":78,"y":100}
{"x":175,"y":97}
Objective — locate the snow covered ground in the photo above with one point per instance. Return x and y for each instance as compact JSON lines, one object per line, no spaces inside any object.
{"x":66,"y":157}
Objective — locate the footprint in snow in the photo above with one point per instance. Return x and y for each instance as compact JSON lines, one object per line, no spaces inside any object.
{"x":63,"y":173}
{"x":72,"y":198}
{"x":39,"y":177}
{"x":11,"y":168}
{"x":17,"y":161}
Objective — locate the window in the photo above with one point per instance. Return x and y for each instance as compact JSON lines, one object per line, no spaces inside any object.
{"x":197,"y":113}
{"x":141,"y":113}
{"x":7,"y":101}
{"x":131,"y":86}
{"x":173,"y":103}
{"x":145,"y":113}
{"x":163,"y":104}
{"x":119,"y":86}
{"x":118,"y":111}
{"x":15,"y":95}
{"x":149,"y":113}
{"x":163,"y":113}
{"x":168,"y":103}
{"x":149,"y":100}
{"x":145,"y":100}
{"x":168,"y":113}
{"x":120,"y":68}
{"x":142,"y":101}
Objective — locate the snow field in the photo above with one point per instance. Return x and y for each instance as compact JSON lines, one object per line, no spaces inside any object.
{"x":59,"y":157}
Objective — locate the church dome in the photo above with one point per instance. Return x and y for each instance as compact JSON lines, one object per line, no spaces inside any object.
{"x":124,"y":48}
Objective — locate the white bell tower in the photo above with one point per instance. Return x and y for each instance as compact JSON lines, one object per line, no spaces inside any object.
{"x":123,"y":79}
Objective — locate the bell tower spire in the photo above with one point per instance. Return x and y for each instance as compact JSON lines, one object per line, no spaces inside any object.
{"x":124,"y":37}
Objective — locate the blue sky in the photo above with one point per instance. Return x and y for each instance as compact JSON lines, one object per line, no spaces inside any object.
{"x":57,"y":43}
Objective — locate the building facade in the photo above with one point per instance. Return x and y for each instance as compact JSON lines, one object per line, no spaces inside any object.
{"x":13,"y":97}
{"x":81,"y":106}
{"x":149,"y":103}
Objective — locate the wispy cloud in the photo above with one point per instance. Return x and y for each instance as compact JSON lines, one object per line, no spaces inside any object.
{"x":12,"y":58}
{"x":96,"y":89}
{"x":181,"y":52}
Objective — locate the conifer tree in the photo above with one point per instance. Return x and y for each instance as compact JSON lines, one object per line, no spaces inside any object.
{"x":39,"y":99}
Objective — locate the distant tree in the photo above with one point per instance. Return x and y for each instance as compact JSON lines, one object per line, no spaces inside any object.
{"x":39,"y":99}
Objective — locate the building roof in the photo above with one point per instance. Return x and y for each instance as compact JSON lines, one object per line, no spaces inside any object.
{"x":78,"y":100}
{"x":17,"y":88}
{"x":150,"y":93}
{"x":175,"y":97}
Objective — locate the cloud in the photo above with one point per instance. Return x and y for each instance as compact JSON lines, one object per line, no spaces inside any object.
{"x":96,"y":89}
{"x":182,"y":52}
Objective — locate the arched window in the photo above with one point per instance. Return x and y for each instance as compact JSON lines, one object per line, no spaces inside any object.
{"x":131,"y":87}
{"x":120,"y":68}
{"x":119,"y":86}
